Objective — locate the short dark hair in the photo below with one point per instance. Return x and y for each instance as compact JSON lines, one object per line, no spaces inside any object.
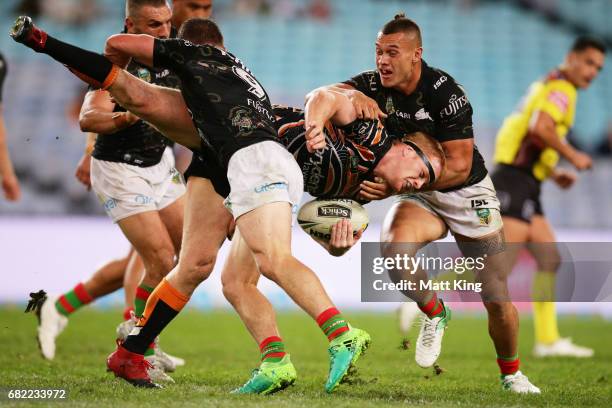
{"x":584,"y":42}
{"x":431,"y":147}
{"x":131,"y":6}
{"x":402,"y":24}
{"x":201,"y":31}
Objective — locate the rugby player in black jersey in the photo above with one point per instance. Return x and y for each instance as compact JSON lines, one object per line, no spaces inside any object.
{"x":413,"y":96}
{"x":133,"y":175}
{"x":183,"y":10}
{"x":10,"y":184}
{"x":233,"y":117}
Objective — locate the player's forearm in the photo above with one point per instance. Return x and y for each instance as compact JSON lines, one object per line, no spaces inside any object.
{"x":320,"y":106}
{"x":96,"y":121}
{"x":451,"y":177}
{"x":90,"y":143}
{"x":6,"y":166}
{"x":548,"y":135}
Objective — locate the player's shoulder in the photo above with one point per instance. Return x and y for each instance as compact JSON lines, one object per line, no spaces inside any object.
{"x":368,"y":80}
{"x":437,"y":81}
{"x":560,"y":84}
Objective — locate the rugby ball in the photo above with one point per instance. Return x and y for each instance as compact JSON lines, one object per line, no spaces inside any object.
{"x":316,"y":217}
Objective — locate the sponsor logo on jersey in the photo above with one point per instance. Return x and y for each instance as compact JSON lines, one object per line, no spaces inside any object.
{"x":440,"y":81}
{"x":241,"y":119}
{"x":314,"y":168}
{"x":144,"y":74}
{"x":422,"y":114}
{"x":271,"y":187}
{"x":162,"y":74}
{"x":110,"y":204}
{"x":143,"y":199}
{"x":334,"y":211}
{"x":402,"y":115}
{"x":455,"y":103}
{"x":484,"y":215}
{"x":389,"y":107}
{"x":260,"y":108}
{"x":560,"y":100}
{"x":479,"y":203}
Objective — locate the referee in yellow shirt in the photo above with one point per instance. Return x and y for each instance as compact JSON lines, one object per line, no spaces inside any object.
{"x":528,"y":147}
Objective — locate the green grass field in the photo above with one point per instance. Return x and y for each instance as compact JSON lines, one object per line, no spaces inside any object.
{"x":220,"y":356}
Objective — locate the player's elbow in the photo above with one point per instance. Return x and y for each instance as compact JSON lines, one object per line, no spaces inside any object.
{"x":320,"y":95}
{"x":460,"y":169}
{"x":112,"y":44}
{"x":87,"y":122}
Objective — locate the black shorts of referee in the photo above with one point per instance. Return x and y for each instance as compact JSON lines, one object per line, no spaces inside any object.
{"x":518,"y":192}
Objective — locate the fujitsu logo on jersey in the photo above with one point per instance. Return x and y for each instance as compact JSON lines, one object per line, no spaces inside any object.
{"x":260,"y":108}
{"x":334,"y":211}
{"x":455,"y":104}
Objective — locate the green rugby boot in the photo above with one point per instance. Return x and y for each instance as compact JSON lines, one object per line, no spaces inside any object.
{"x":269,"y":378}
{"x":344,"y":351}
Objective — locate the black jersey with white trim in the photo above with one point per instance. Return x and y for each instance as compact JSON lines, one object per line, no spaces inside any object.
{"x":3,"y":72}
{"x":349,"y":157}
{"x":139,"y":144}
{"x":438,"y":107}
{"x":229,"y":107}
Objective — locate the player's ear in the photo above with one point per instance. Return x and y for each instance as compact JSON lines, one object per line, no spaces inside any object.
{"x":129,"y":24}
{"x":417,"y":55}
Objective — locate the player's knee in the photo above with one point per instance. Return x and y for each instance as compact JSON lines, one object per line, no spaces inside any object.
{"x":270,"y":265}
{"x":549,"y":261}
{"x":195,"y":272}
{"x":501,"y":310}
{"x":159,"y":261}
{"x":233,"y":290}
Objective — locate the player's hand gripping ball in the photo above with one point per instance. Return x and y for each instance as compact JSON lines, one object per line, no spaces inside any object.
{"x":316,"y":217}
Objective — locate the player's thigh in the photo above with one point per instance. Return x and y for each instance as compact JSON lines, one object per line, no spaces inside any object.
{"x":542,"y":244}
{"x":408,"y":221}
{"x":267,"y":229}
{"x":490,"y":251}
{"x":240,"y":267}
{"x":516,"y":234}
{"x":206,"y":224}
{"x":266,"y":187}
{"x":149,"y":236}
{"x":173,"y":217}
{"x":164,"y":108}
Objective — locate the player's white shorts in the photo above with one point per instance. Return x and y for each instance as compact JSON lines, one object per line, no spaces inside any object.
{"x":260,"y":174}
{"x":125,"y":189}
{"x":471,"y":211}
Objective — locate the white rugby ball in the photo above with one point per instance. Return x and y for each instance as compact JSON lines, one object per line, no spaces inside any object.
{"x":316,"y":217}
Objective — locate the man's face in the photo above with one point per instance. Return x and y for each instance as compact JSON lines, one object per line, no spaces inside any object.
{"x":396,"y":55}
{"x":584,"y":66}
{"x":154,"y":21}
{"x":183,"y":10}
{"x":409,"y":173}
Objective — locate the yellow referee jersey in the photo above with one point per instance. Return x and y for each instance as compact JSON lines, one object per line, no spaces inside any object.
{"x":515,"y":146}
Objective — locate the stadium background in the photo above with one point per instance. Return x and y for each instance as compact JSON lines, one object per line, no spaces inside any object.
{"x":57,"y":234}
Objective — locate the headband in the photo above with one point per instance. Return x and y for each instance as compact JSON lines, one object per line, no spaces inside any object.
{"x":417,"y":149}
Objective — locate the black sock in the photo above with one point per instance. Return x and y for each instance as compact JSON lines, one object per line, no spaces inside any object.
{"x":93,"y":68}
{"x":160,"y":317}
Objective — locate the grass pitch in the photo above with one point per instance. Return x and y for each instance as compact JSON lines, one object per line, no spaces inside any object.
{"x":220,"y":356}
